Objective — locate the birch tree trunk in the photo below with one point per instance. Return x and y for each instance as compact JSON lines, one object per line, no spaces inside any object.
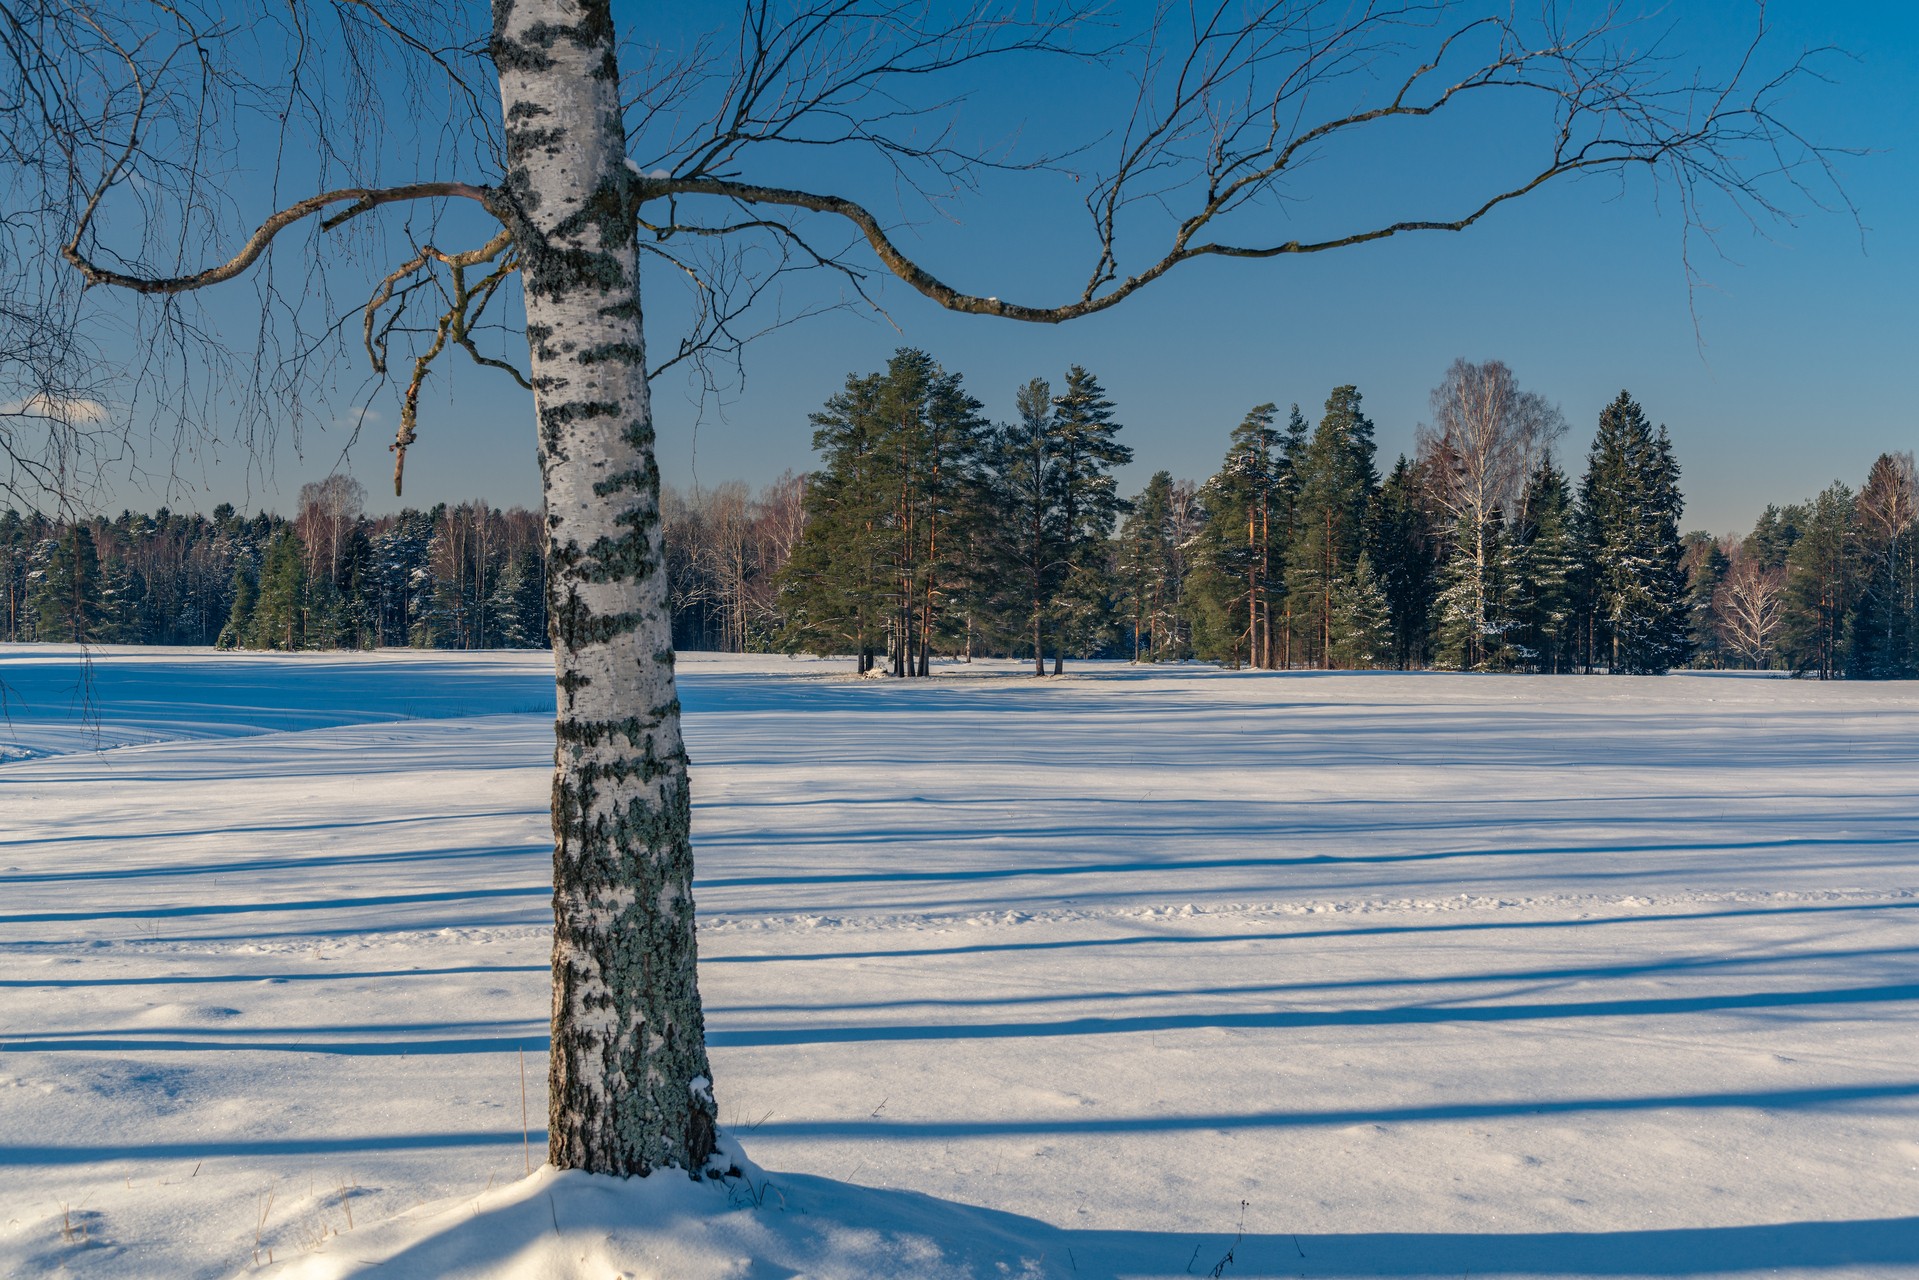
{"x":629,"y":1086}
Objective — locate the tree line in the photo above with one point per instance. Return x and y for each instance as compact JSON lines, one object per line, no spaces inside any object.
{"x":465,"y":576}
{"x":927,"y":529}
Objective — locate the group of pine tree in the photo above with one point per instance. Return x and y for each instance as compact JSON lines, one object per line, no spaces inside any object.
{"x":929,"y":530}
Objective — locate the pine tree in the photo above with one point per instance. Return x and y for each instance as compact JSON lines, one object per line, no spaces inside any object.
{"x":1241,"y":549}
{"x":878,"y":562}
{"x":1336,"y":485}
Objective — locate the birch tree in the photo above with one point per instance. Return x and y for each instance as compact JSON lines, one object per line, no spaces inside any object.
{"x":1751,"y":607}
{"x":1486,"y":436}
{"x":536,"y":170}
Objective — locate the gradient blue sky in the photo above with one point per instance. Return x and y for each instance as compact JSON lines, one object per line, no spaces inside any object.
{"x":1802,"y":370}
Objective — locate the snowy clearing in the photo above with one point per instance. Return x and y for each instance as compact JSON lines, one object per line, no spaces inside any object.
{"x":1133,"y":973}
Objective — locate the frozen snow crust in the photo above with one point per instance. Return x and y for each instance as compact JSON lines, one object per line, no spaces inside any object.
{"x":1134,"y":973}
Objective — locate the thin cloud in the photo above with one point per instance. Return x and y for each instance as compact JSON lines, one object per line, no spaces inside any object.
{"x":56,"y":408}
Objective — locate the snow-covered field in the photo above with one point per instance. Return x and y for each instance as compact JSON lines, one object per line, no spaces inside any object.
{"x":1161,"y":972}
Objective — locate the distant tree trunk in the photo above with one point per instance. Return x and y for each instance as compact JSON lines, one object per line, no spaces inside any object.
{"x":1326,"y":599}
{"x":629,"y":1082}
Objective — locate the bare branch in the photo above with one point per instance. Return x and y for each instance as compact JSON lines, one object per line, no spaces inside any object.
{"x":363,"y":200}
{"x":1220,"y":120}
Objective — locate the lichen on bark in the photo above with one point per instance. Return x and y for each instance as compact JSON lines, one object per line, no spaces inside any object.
{"x":629,"y":1083}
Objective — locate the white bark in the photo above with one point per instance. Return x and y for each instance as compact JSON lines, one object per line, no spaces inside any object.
{"x":1751,"y":609}
{"x":628,"y":1076}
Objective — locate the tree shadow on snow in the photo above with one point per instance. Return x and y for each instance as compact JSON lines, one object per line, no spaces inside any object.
{"x":1684,"y":1251}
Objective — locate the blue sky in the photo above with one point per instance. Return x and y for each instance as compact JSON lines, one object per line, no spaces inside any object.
{"x":1799,"y":373}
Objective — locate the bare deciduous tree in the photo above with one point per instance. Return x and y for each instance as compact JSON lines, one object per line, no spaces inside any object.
{"x":55,"y":429}
{"x":327,"y":509}
{"x":779,"y":518}
{"x":533,"y":160}
{"x":1485,"y":438}
{"x":1751,"y":606}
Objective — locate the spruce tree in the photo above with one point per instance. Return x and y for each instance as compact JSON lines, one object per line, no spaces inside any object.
{"x":124,"y":603}
{"x":834,"y":588}
{"x":354,"y":624}
{"x":1021,"y":537}
{"x":519,"y":601}
{"x":1362,"y":622}
{"x":1883,"y":629}
{"x":400,"y":585}
{"x":1629,"y":514}
{"x":16,"y":550}
{"x":238,"y":631}
{"x":1706,"y":565}
{"x":66,"y":599}
{"x":1405,"y":555}
{"x":1820,"y":584}
{"x":1772,"y":536}
{"x":279,"y":615}
{"x":1668,"y":637}
{"x":1089,"y":504}
{"x":1148,"y":570}
{"x":1545,"y":567}
{"x":1336,"y":485}
{"x":1294,"y":440}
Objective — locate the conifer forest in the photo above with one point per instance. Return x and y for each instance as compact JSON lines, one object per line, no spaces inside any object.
{"x":930,"y":529}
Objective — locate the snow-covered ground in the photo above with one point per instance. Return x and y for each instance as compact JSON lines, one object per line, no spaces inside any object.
{"x":1133,"y":973}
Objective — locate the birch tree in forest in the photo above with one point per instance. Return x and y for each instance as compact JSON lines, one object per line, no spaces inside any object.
{"x":1750,"y":604}
{"x":1485,"y":437}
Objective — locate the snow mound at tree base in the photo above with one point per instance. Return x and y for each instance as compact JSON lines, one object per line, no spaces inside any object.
{"x":568,"y":1225}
